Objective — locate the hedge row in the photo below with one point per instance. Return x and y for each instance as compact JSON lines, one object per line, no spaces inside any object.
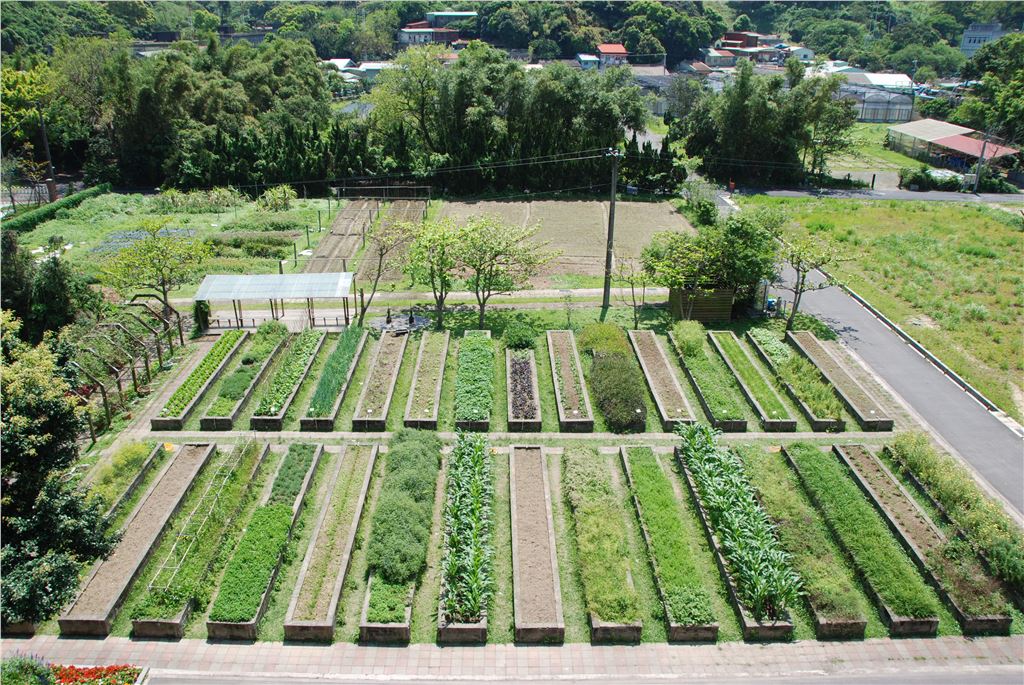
{"x":23,"y":223}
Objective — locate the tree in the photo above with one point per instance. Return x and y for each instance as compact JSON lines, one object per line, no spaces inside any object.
{"x":499,"y":257}
{"x":48,"y":528}
{"x":434,"y":258}
{"x":631,"y":271}
{"x":682,"y":95}
{"x":17,"y":269}
{"x":58,"y":294}
{"x":688,"y":265}
{"x":747,"y":247}
{"x":795,"y":71}
{"x":742,"y":23}
{"x":805,"y":255}
{"x":386,"y":238}
{"x":276,"y":199}
{"x":159,"y":262}
{"x":829,"y":120}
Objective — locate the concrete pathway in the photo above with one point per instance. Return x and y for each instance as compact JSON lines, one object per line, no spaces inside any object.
{"x":999,"y":658}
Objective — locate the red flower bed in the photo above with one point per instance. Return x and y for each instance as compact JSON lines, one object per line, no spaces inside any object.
{"x":96,"y":675}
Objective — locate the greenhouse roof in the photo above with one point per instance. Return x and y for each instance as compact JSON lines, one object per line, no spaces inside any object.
{"x":274,"y":286}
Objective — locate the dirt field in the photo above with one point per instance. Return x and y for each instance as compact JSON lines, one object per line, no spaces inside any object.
{"x":398,"y":210}
{"x":342,"y":243}
{"x":578,"y":228}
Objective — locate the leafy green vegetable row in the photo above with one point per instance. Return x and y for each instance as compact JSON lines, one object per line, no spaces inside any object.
{"x":289,"y":373}
{"x":984,"y":521}
{"x":615,"y":377}
{"x":400,"y":528}
{"x":249,"y":571}
{"x":468,"y":564}
{"x":759,"y":565}
{"x":474,"y":379}
{"x":762,"y":391}
{"x":335,"y":371}
{"x":237,"y":382}
{"x":830,"y":586}
{"x":801,"y":375}
{"x":288,"y":481}
{"x":600,"y":533}
{"x":187,"y":391}
{"x":716,"y":383}
{"x":875,"y":552}
{"x":687,"y":599}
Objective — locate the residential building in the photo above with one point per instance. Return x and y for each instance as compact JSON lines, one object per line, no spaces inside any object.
{"x":588,"y":61}
{"x":612,"y":55}
{"x":800,"y":52}
{"x":744,"y":39}
{"x":414,"y":34}
{"x":716,"y":58}
{"x":978,"y":34}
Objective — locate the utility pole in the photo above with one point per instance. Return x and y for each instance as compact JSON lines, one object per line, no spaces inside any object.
{"x":981,"y":164}
{"x":51,"y":182}
{"x":616,"y":156}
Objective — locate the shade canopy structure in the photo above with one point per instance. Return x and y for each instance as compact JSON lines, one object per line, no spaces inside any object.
{"x":973,"y":147}
{"x":929,"y":129}
{"x":223,"y":287}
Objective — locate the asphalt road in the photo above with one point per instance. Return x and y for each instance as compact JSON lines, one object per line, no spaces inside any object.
{"x":932,"y":195}
{"x":995,"y":451}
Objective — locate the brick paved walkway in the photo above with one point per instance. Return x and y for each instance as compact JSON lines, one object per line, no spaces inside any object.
{"x":941,"y":655}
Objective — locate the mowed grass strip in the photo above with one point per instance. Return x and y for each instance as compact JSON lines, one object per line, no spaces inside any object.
{"x":875,"y":551}
{"x":758,"y":386}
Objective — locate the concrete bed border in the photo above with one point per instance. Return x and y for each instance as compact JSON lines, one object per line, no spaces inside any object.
{"x":780,"y":425}
{"x":429,"y":422}
{"x":226,"y":423}
{"x":325,"y":424}
{"x":668,"y":424}
{"x":724,"y":425}
{"x":369,"y":424}
{"x":177,"y":423}
{"x":565,"y":423}
{"x":276,"y":421}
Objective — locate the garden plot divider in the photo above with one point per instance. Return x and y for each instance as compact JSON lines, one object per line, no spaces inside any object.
{"x":818,"y":424}
{"x":677,"y":632}
{"x":567,"y":360}
{"x":426,"y":421}
{"x":848,"y":455}
{"x":174,"y":628}
{"x":246,"y":630}
{"x":724,"y":425}
{"x":753,"y":629}
{"x":226,"y":423}
{"x":483,"y":425}
{"x":375,"y":418}
{"x":177,"y":423}
{"x":899,"y":626}
{"x":518,"y":419}
{"x":322,"y":628}
{"x":869,"y":414}
{"x":107,"y":586}
{"x":325,"y":424}
{"x":134,"y":485}
{"x":673,"y":407}
{"x":535,"y":577}
{"x":770,"y":424}
{"x":276,"y":422}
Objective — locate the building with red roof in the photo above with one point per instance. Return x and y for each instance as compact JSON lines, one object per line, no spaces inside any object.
{"x":612,"y":54}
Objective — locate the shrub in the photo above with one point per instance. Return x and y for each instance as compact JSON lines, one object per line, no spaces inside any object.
{"x":276,"y":199}
{"x":519,"y":334}
{"x":619,"y":392}
{"x":474,"y":379}
{"x":23,"y":223}
{"x":23,"y":670}
{"x":173,"y":201}
{"x":705,"y":212}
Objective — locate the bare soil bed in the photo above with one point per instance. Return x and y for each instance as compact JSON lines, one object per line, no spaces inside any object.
{"x":567,"y":376}
{"x":535,"y":580}
{"x":381,"y":379}
{"x":660,"y":376}
{"x":837,"y":375}
{"x":344,"y":239}
{"x":118,"y":571}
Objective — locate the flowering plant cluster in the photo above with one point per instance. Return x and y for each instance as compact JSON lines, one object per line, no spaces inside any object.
{"x":122,"y":674}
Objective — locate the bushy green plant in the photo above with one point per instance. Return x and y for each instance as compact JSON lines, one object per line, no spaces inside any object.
{"x":689,"y":337}
{"x":282,"y":222}
{"x":866,"y":537}
{"x":988,"y":527}
{"x":801,"y":375}
{"x":712,"y":377}
{"x":468,"y":563}
{"x":276,"y":199}
{"x":24,"y":670}
{"x":248,"y":574}
{"x":519,"y":334}
{"x":288,"y":481}
{"x":474,"y":379}
{"x":191,"y":386}
{"x":335,"y":372}
{"x":619,"y":392}
{"x":289,"y":373}
{"x":387,"y":602}
{"x":113,"y":478}
{"x":760,"y":566}
{"x":23,"y":223}
{"x":687,"y":600}
{"x":603,"y":337}
{"x":234,"y":386}
{"x":600,"y":533}
{"x":173,"y":201}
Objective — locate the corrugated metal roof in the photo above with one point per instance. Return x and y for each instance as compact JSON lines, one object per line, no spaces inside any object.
{"x":930,"y":129}
{"x":973,"y":147}
{"x":219,"y":287}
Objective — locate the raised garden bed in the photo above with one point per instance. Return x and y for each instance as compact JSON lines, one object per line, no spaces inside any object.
{"x":467,"y":566}
{"x":598,"y":525}
{"x":257,"y":558}
{"x":372,"y":411}
{"x":335,"y":382}
{"x":686,"y":603}
{"x":537,"y":591}
{"x":125,"y":496}
{"x":192,"y":389}
{"x":755,"y":558}
{"x":949,"y":566}
{"x":108,"y":584}
{"x":818,"y":423}
{"x":313,"y":610}
{"x":753,"y":384}
{"x":673,"y":407}
{"x":425,"y":396}
{"x":522,"y":391}
{"x":905,"y":602}
{"x":163,"y":614}
{"x":474,"y":381}
{"x":397,"y":632}
{"x":836,"y":607}
{"x":700,"y":364}
{"x":574,"y":412}
{"x":269,"y":415}
{"x":869,"y":414}
{"x":240,"y":385}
